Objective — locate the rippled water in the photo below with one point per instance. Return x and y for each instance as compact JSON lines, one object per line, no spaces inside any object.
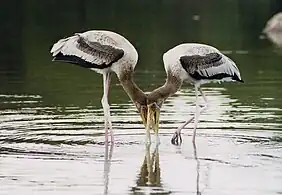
{"x":61,"y":150}
{"x":51,"y":119}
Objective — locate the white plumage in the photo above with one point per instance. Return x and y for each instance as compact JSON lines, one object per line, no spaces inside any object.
{"x":172,"y":63}
{"x":69,"y":47}
{"x":103,"y":52}
{"x":198,"y":64}
{"x":273,"y":29}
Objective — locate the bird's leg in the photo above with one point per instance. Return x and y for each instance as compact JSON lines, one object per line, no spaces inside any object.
{"x":176,"y":139}
{"x":197,"y":113}
{"x":106,"y":107}
{"x":109,"y":114}
{"x":204,"y":97}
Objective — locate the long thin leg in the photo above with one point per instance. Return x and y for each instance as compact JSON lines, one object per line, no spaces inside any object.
{"x":204,"y":96}
{"x":203,"y":109}
{"x":176,"y":139}
{"x":106,"y":107}
{"x":197,"y":114}
{"x":109,"y":114}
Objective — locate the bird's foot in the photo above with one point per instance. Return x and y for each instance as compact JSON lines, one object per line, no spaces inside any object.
{"x":176,"y":138}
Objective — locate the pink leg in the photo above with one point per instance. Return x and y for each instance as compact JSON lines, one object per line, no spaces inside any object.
{"x":109,"y":115}
{"x":197,"y":114}
{"x":106,"y":107}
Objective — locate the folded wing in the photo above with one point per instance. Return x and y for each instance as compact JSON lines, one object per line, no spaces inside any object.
{"x":88,"y":51}
{"x":212,"y":66}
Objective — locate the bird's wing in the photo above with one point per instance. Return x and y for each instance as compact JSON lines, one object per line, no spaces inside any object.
{"x":192,"y":63}
{"x":103,"y":54}
{"x":90,"y":53}
{"x":210,"y":66}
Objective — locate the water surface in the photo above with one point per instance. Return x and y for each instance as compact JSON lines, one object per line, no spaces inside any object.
{"x":51,"y":119}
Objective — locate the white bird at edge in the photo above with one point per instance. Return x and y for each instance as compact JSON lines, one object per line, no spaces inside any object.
{"x":104,"y":52}
{"x":194,"y":63}
{"x":273,"y":29}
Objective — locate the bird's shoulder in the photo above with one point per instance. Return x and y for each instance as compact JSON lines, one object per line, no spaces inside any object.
{"x":99,"y":44}
{"x":100,"y":37}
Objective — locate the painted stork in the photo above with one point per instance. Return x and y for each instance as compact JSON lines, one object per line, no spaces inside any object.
{"x":273,"y":29}
{"x":104,"y":52}
{"x":194,"y":63}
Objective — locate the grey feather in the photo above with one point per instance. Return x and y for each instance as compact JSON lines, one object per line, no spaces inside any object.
{"x":105,"y":53}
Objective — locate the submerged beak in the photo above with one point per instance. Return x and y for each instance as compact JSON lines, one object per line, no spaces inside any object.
{"x":153,"y":117}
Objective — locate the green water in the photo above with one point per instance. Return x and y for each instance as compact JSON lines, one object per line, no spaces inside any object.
{"x":51,"y":118}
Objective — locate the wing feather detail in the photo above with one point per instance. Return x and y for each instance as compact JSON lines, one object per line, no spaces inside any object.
{"x":91,"y":51}
{"x":196,"y":62}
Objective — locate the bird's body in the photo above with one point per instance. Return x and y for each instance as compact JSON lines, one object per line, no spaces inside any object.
{"x":103,"y":52}
{"x":273,"y":29}
{"x":197,"y":64}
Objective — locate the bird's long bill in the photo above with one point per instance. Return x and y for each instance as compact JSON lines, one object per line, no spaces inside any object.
{"x":153,"y":117}
{"x":143,"y":114}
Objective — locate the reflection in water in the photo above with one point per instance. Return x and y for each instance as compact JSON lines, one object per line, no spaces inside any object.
{"x":150,"y":172}
{"x":107,"y":165}
{"x":197,"y":169}
{"x":198,"y":165}
{"x":50,"y":115}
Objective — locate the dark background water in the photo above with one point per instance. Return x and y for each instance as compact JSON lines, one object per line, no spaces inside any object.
{"x":29,"y":28}
{"x":51,"y":121}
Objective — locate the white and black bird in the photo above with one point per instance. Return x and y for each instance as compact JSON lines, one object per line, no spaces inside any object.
{"x":194,"y":63}
{"x":104,"y":52}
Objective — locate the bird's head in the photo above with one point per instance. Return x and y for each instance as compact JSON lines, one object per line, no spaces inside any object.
{"x":150,"y":112}
{"x":153,"y":114}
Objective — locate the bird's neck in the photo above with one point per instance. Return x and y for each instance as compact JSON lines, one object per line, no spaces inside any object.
{"x":170,"y":87}
{"x":131,"y":88}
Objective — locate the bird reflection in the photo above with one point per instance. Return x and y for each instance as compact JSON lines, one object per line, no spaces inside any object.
{"x":107,"y":165}
{"x":150,"y":172}
{"x":198,"y":165}
{"x":197,"y":169}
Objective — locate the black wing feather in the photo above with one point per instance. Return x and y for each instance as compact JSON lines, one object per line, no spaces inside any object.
{"x":197,"y":62}
{"x":106,"y":54}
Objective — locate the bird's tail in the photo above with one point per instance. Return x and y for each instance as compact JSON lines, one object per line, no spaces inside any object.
{"x":57,"y":47}
{"x":235,"y":71}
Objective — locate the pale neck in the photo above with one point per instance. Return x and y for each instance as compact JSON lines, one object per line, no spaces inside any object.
{"x":170,"y":87}
{"x":131,"y":88}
